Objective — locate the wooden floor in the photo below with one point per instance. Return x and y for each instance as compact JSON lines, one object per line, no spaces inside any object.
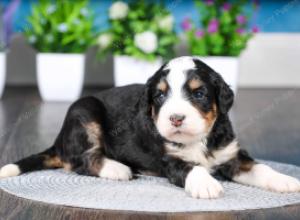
{"x":267,"y":122}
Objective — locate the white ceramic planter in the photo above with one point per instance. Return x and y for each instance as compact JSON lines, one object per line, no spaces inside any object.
{"x":2,"y":72}
{"x":228,"y":67}
{"x":129,"y":70}
{"x":60,"y":76}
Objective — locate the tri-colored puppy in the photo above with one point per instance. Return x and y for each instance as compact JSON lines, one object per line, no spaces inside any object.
{"x":176,"y":126}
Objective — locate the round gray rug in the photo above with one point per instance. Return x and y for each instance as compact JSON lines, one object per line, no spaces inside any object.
{"x":150,"y":194}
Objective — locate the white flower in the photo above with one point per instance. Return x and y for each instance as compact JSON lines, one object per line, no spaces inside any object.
{"x":49,"y":38}
{"x":62,"y":27}
{"x":32,"y":39}
{"x":51,"y":9}
{"x":104,"y":40}
{"x":146,"y":41}
{"x":118,"y":10}
{"x":76,"y":21}
{"x":84,"y":12}
{"x":166,"y":23}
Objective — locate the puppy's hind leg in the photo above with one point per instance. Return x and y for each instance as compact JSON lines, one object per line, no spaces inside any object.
{"x":95,"y":163}
{"x":111,"y":169}
{"x":85,"y":144}
{"x":47,"y":159}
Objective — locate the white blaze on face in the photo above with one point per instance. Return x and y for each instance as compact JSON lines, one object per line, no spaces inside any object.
{"x":193,"y":126}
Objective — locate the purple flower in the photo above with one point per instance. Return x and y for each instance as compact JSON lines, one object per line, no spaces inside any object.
{"x":240,"y":31}
{"x":241,"y":19}
{"x":209,"y":2}
{"x":213,"y":26}
{"x":255,"y":29}
{"x":226,"y":6}
{"x":186,"y":24}
{"x":199,"y":33}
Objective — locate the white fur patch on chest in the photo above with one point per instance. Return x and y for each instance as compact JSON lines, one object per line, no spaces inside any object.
{"x":197,"y":153}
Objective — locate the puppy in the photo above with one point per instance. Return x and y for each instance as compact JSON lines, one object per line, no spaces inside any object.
{"x":176,"y":126}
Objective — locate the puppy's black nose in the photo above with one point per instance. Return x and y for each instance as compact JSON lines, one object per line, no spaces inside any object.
{"x":177,"y":119}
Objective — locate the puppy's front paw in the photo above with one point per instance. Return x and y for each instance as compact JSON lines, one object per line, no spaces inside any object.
{"x":265,"y":177}
{"x":200,"y":184}
{"x":279,"y":182}
{"x":284,"y":184}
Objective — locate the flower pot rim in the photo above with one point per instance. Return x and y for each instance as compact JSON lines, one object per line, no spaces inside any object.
{"x":225,"y":57}
{"x":135,"y":58}
{"x":61,"y":54}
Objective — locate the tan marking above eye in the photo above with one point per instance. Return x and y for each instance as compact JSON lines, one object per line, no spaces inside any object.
{"x":162,"y":85}
{"x":195,"y":83}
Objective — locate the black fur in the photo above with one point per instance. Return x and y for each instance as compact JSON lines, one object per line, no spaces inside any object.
{"x":224,"y":95}
{"x":128,"y":133}
{"x":242,"y":163}
{"x":36,"y":162}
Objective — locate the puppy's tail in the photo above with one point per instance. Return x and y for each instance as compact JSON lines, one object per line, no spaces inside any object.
{"x":45,"y":160}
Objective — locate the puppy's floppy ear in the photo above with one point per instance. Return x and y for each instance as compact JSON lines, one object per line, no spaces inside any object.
{"x":146,"y":98}
{"x":224,"y":95}
{"x":151,"y":81}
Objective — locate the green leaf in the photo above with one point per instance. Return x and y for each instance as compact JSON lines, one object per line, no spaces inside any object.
{"x":142,"y":17}
{"x":41,"y":23}
{"x":224,"y":42}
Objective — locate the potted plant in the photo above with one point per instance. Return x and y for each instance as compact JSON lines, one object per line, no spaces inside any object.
{"x":140,"y":36}
{"x":2,"y":57}
{"x":61,"y":31}
{"x":221,"y":36}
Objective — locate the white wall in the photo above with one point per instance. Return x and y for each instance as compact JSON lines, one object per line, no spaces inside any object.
{"x":271,"y":60}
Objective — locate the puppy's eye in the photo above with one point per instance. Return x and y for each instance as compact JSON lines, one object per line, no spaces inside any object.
{"x":199,"y":94}
{"x":160,"y":96}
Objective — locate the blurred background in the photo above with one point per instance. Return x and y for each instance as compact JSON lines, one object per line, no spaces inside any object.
{"x":268,"y":61}
{"x":53,"y":52}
